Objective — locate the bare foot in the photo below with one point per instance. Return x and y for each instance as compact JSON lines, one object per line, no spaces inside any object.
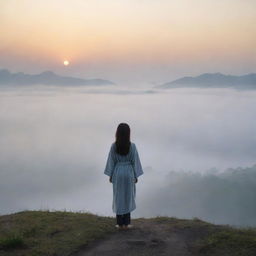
{"x":119,"y":227}
{"x":130,"y":226}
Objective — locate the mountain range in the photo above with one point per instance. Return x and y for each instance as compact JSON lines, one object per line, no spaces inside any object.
{"x":213,"y":80}
{"x":46,"y":78}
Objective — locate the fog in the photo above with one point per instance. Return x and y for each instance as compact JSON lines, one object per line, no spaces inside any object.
{"x":54,"y":144}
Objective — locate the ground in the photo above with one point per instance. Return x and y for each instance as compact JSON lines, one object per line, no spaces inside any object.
{"x":159,"y":236}
{"x":36,"y":233}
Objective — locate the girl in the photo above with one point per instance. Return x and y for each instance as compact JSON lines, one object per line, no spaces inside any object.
{"x":123,"y":168}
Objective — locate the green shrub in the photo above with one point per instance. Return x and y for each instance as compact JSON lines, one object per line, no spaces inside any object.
{"x":12,"y":242}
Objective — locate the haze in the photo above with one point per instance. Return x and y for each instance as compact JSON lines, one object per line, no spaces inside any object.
{"x":128,"y":41}
{"x":55,"y":141}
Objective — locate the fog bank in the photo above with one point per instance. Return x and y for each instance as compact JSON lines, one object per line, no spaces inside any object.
{"x":55,"y":141}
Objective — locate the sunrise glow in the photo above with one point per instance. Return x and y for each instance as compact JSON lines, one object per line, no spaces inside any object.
{"x":154,"y":39}
{"x":66,"y":62}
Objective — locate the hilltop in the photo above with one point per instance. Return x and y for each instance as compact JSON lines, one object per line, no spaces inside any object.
{"x":46,"y":78}
{"x":213,"y":80}
{"x":62,"y":233}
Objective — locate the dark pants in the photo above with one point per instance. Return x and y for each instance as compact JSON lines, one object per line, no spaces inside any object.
{"x":123,"y":219}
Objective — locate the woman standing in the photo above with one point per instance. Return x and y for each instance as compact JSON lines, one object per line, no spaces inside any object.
{"x":123,"y":168}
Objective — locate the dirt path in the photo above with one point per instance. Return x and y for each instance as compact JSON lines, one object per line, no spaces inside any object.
{"x":146,"y":238}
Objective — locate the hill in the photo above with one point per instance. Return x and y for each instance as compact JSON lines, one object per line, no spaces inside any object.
{"x":77,"y":234}
{"x":214,"y":80}
{"x":46,"y":78}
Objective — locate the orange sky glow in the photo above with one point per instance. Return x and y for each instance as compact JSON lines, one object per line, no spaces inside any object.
{"x":96,"y":33}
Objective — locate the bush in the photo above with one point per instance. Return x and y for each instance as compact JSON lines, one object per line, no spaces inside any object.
{"x":12,"y":242}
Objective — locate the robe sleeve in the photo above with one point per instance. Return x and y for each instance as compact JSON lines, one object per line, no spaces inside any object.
{"x":136,"y":163}
{"x":110,"y":165}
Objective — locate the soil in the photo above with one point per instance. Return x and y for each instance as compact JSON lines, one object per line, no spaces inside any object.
{"x":148,"y":238}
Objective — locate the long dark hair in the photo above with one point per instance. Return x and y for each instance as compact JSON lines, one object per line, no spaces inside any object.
{"x":123,"y":139}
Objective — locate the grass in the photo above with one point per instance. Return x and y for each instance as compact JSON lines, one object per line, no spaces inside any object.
{"x":47,"y":233}
{"x":175,"y":223}
{"x":13,"y":241}
{"x":230,"y":241}
{"x":214,"y":240}
{"x":62,"y":233}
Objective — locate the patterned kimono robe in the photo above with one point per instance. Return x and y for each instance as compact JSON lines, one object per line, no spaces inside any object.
{"x":123,"y":170}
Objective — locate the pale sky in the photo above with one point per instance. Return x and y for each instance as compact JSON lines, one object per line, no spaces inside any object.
{"x":128,"y":40}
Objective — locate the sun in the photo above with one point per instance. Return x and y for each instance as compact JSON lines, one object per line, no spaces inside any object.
{"x":66,"y":62}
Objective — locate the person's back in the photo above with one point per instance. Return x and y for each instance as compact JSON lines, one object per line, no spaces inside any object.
{"x":123,"y":168}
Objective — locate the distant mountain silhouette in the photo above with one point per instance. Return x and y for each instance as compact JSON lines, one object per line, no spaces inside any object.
{"x":214,"y":80}
{"x":46,"y":78}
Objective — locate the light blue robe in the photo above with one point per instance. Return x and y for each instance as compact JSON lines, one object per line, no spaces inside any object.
{"x":123,"y":170}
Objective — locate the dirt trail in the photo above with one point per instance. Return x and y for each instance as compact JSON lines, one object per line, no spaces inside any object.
{"x":146,"y":238}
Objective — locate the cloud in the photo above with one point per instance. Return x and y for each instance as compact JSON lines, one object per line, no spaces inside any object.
{"x":54,"y":146}
{"x":224,"y":198}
